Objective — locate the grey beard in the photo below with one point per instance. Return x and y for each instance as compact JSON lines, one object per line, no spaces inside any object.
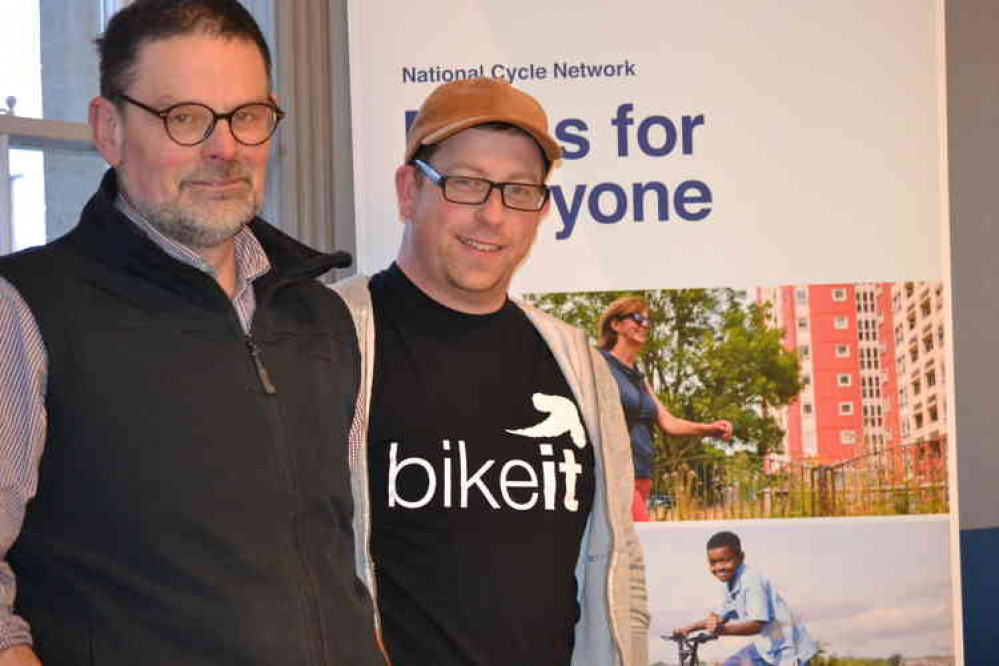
{"x":201,"y":230}
{"x":206,"y":226}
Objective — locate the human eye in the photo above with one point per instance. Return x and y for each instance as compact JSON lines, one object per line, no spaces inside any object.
{"x":465,"y":184}
{"x":521,"y":190}
{"x":252,"y":114}
{"x":523,"y":193}
{"x":179,"y":118}
{"x":186,"y":117}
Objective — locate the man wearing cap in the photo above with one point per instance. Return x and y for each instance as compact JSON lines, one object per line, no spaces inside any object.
{"x":498,"y":486}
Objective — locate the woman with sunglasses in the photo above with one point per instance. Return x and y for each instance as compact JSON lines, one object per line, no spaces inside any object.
{"x":624,"y":330}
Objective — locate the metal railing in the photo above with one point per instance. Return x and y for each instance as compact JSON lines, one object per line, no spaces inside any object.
{"x":909,"y":479}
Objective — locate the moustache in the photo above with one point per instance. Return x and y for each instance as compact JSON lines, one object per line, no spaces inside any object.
{"x":234,"y":171}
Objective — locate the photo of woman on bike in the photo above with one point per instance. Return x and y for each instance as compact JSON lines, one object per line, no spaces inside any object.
{"x":623,"y":332}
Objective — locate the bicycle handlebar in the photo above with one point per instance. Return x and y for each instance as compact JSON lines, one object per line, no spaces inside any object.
{"x":702,"y":637}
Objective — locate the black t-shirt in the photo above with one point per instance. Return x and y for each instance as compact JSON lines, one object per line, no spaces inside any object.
{"x":481,"y":484}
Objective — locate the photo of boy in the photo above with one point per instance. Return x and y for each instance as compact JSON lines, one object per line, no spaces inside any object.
{"x":752,"y":606}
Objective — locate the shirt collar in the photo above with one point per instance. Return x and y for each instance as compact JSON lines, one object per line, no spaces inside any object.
{"x":251,"y":260}
{"x":733,"y":585}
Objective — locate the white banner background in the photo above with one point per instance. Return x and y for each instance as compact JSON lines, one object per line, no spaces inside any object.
{"x":820,"y":142}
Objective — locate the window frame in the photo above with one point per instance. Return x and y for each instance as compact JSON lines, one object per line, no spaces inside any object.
{"x":20,"y":133}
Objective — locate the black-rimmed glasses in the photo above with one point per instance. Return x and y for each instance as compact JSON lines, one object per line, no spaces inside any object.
{"x":474,"y":191}
{"x":636,"y":317}
{"x":190,"y":123}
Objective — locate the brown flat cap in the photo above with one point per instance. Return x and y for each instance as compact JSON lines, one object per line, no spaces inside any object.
{"x":456,"y":106}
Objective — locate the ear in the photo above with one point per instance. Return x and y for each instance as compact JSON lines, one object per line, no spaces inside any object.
{"x":406,"y":190}
{"x":106,"y":127}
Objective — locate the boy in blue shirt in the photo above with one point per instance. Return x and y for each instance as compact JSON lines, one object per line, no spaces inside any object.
{"x":752,"y":606}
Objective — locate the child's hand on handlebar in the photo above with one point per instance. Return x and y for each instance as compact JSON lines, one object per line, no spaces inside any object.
{"x":714,"y":623}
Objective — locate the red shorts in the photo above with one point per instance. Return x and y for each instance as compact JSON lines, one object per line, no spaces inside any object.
{"x":643,"y":489}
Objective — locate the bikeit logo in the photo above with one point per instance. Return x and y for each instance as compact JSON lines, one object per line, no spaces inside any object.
{"x":516,"y":484}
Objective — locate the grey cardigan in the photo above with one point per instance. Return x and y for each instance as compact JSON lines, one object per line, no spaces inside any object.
{"x":614,"y":617}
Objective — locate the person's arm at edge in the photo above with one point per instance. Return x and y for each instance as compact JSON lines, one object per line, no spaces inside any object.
{"x":681,"y":427}
{"x":22,"y":436}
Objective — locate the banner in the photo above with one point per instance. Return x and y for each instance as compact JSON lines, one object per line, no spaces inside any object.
{"x":707,"y":144}
{"x":772,"y":174}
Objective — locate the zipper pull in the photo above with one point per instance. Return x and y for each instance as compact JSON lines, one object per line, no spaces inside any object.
{"x":265,"y":378}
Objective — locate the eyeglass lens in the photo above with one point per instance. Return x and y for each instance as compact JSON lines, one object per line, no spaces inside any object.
{"x":521,"y":196}
{"x":251,"y":124}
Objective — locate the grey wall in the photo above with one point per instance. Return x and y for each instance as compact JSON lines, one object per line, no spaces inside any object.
{"x":69,"y":61}
{"x":973,"y":147}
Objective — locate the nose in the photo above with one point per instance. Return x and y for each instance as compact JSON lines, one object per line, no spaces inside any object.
{"x":220,"y":144}
{"x":491,"y":210}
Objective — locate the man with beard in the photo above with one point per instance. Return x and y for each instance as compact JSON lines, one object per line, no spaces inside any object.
{"x":176,"y":388}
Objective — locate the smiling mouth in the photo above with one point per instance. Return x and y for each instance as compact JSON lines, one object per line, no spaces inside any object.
{"x":477,"y":245}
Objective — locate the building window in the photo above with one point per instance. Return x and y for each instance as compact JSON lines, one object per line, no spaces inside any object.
{"x":50,"y":166}
{"x":844,"y":379}
{"x":842,"y":351}
{"x":801,"y":295}
{"x":806,"y":407}
{"x":845,"y":408}
{"x":804,"y":351}
{"x":847,"y":437}
{"x":802,"y":323}
{"x":841,"y":323}
{"x":839,"y":294}
{"x":806,"y":379}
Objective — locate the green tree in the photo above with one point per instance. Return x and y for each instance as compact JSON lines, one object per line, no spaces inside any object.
{"x":711,"y":355}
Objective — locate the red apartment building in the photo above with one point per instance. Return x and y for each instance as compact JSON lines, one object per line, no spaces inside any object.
{"x":872,"y":369}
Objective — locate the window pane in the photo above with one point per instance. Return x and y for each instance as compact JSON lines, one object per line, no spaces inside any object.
{"x":49,"y":190}
{"x":54,"y":36}
{"x":27,"y":198}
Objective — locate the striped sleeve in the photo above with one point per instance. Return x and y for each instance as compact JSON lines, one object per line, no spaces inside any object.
{"x":23,"y":372}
